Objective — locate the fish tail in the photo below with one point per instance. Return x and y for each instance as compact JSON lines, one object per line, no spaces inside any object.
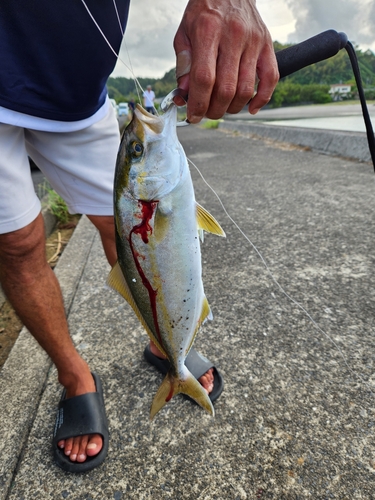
{"x":172,"y":385}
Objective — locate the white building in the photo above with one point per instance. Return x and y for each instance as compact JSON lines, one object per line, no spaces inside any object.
{"x":339,"y":90}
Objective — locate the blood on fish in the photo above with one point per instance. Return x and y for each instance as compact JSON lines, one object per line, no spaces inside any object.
{"x":170,"y":395}
{"x":144,"y":229}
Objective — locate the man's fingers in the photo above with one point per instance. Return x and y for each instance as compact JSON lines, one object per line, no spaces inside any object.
{"x":199,"y":33}
{"x":183,"y":63}
{"x":268,"y":75}
{"x":220,"y":48}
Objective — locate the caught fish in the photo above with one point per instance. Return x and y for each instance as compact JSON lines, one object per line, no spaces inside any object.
{"x":157,"y":236}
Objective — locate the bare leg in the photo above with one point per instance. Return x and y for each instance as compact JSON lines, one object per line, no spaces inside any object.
{"x":106,"y":228}
{"x":26,"y":277}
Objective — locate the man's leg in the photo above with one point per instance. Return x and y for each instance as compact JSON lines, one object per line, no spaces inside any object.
{"x":106,"y":228}
{"x":33,"y":290}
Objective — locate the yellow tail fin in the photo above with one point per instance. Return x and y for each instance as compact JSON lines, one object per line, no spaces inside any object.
{"x":172,"y":385}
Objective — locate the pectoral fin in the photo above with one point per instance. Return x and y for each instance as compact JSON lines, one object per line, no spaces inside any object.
{"x":207,"y":222}
{"x":117,"y":281}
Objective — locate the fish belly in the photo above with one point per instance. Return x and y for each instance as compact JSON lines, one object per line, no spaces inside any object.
{"x":159,"y":255}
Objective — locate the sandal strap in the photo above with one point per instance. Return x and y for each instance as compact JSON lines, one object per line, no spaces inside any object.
{"x":197,"y":364}
{"x":81,"y":415}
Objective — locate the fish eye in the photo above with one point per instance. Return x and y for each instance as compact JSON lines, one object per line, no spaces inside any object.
{"x":137,"y":148}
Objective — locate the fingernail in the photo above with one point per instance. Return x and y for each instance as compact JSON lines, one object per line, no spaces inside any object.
{"x":254,"y":111}
{"x":92,"y":446}
{"x":183,"y":63}
{"x":195,"y":119}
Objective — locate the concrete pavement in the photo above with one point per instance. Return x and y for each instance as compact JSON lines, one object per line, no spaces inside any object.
{"x":297,"y":416}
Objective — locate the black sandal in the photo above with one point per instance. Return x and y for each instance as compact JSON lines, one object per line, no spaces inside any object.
{"x":197,"y":364}
{"x":79,"y":416}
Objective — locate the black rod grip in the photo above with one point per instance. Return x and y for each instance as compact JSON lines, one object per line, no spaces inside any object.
{"x":312,"y":50}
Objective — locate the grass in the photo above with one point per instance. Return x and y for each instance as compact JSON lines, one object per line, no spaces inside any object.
{"x":209,"y":124}
{"x":57,"y":206}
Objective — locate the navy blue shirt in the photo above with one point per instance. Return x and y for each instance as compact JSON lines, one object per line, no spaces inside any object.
{"x":54,"y":63}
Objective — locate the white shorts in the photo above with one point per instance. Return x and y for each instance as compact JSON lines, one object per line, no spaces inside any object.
{"x":79,"y":166}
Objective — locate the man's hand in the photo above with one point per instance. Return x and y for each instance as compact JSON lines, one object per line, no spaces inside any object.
{"x":222,"y":46}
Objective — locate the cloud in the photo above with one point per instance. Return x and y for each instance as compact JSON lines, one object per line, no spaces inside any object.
{"x":149,"y":38}
{"x":354,"y":17}
{"x":153,"y":24}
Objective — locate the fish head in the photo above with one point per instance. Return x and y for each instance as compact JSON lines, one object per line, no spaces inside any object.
{"x":151,"y":160}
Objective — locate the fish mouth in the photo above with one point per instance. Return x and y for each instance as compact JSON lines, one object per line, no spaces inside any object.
{"x":153,"y":122}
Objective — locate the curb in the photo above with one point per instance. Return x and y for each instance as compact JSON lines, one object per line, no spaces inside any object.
{"x":23,"y":376}
{"x":352,"y":145}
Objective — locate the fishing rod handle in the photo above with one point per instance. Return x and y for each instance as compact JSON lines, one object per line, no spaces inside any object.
{"x":312,"y":50}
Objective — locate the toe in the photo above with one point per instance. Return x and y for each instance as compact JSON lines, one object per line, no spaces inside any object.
{"x":94,"y":445}
{"x":61,"y":444}
{"x":68,"y":446}
{"x":207,"y":380}
{"x":75,"y":448}
{"x":81,"y":454}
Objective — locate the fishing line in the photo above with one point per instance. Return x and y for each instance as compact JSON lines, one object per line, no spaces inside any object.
{"x":130,"y":68}
{"x":283,"y":291}
{"x":118,"y":17}
{"x":137,"y":83}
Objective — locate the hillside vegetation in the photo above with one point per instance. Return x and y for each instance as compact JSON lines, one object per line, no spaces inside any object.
{"x":309,"y":85}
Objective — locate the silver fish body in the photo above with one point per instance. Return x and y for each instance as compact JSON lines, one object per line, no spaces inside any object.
{"x":157,"y":236}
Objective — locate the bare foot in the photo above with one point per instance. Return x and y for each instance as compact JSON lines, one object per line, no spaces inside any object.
{"x":81,"y":447}
{"x":206,"y":380}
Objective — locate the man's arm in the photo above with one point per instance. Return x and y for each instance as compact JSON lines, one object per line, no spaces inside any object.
{"x":221,"y":47}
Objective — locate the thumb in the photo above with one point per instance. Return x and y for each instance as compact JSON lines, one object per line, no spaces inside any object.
{"x":182,"y":49}
{"x":183,"y":66}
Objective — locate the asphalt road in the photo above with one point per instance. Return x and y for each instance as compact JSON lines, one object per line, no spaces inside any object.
{"x":297,"y":416}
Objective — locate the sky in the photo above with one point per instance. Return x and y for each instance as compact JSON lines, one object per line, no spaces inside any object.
{"x":152,"y":25}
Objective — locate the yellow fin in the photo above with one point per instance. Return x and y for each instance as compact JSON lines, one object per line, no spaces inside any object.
{"x":117,"y":281}
{"x":206,"y":311}
{"x":172,"y":386}
{"x":207,"y":222}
